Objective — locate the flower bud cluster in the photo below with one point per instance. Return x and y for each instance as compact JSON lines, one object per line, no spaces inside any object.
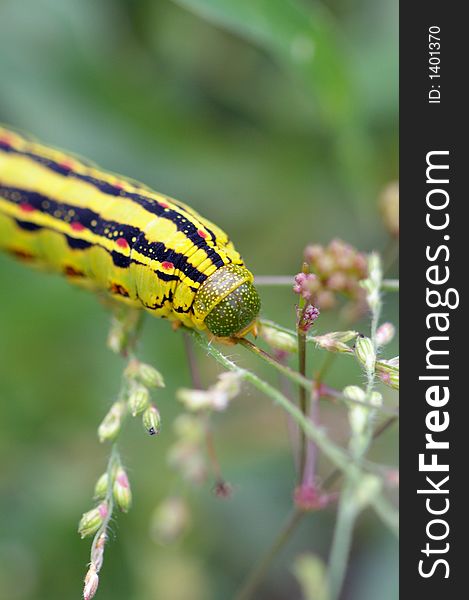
{"x":112,"y":488}
{"x":338,"y":268}
{"x":116,"y":489}
{"x":140,"y":377}
{"x":306,"y":318}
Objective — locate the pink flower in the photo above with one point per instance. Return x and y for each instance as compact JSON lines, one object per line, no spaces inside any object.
{"x":91,"y":583}
{"x":308,"y":497}
{"x":305,"y":285}
{"x":307,"y":318}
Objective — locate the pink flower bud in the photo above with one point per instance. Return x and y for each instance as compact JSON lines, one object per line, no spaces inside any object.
{"x":121,"y":490}
{"x":91,"y":583}
{"x":385,"y":334}
{"x":305,"y":285}
{"x":307,"y":318}
{"x":308,"y":497}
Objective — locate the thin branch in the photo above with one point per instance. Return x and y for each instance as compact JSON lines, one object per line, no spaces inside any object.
{"x":274,"y":280}
{"x":388,"y":285}
{"x":262,"y":567}
{"x":303,"y":398}
{"x":335,"y":454}
{"x":349,"y":507}
{"x":300,"y":379}
{"x":335,"y":474}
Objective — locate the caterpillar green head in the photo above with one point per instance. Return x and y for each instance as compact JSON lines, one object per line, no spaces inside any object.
{"x":227,"y":302}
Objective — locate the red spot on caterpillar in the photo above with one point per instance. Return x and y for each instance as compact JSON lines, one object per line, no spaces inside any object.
{"x":66,"y":164}
{"x":21,"y":254}
{"x":118,"y":185}
{"x":122,"y":243}
{"x":72,"y":272}
{"x":167,"y":265}
{"x":117,"y":288}
{"x":6,"y":141}
{"x":76,"y":226}
{"x":164,"y":205}
{"x":27,"y":207}
{"x":202,"y":233}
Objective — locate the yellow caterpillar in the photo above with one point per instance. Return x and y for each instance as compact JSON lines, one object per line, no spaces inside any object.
{"x":106,"y":232}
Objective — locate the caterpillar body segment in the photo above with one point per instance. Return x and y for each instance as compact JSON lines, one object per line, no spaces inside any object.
{"x":105,"y":232}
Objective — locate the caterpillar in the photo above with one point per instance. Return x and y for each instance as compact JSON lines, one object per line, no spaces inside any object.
{"x":109,"y":233}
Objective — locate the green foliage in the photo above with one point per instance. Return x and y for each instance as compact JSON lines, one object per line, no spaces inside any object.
{"x":299,"y":36}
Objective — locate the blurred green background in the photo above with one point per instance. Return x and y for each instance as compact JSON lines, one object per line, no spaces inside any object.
{"x":277,"y":119}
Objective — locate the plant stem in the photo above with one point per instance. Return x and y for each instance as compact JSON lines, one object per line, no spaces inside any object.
{"x":360,"y":440}
{"x":335,"y":454}
{"x":341,"y":542}
{"x":274,"y":280}
{"x":260,"y":570}
{"x":113,"y":463}
{"x":282,"y":368}
{"x":298,"y":377}
{"x":388,"y":285}
{"x":335,"y":474}
{"x":302,"y":400}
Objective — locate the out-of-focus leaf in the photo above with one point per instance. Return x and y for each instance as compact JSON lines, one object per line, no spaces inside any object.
{"x":311,"y":574}
{"x":301,"y":37}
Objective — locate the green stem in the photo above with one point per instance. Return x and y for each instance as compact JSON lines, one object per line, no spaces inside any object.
{"x":259,"y":572}
{"x":298,"y":378}
{"x":302,"y":400}
{"x":269,"y":359}
{"x":335,"y":474}
{"x":113,"y":463}
{"x":348,"y":509}
{"x":335,"y":454}
{"x":274,"y":280}
{"x":341,"y":543}
{"x":388,"y":285}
